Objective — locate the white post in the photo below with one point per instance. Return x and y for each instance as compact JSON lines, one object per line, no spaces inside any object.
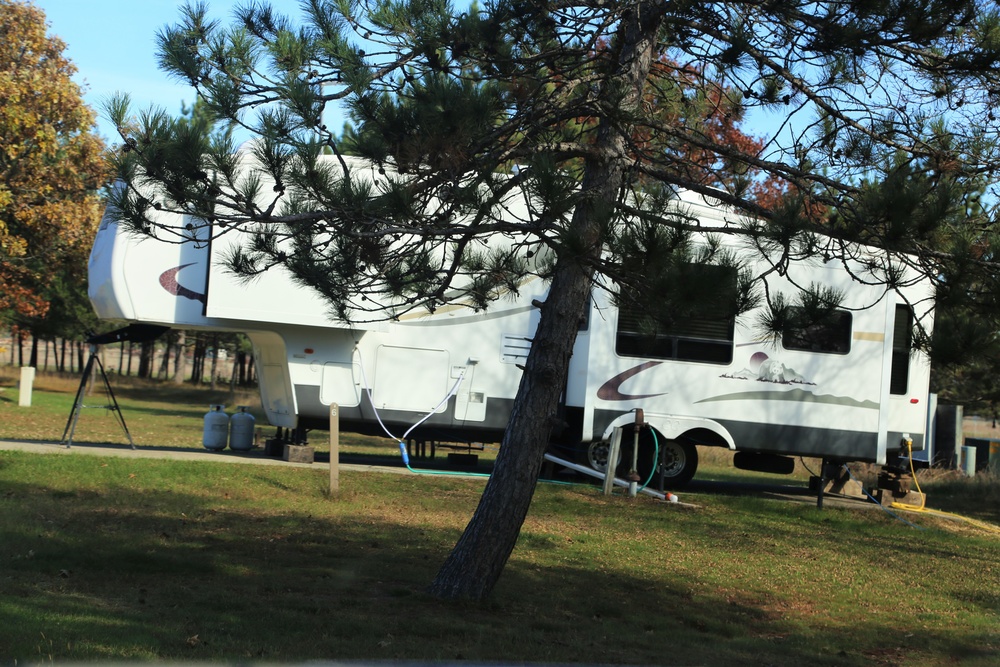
{"x":334,"y":449}
{"x":27,"y":380}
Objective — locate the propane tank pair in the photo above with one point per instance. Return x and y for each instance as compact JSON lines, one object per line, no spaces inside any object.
{"x":220,"y":428}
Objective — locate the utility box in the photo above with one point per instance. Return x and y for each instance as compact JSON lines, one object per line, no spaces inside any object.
{"x":947,"y":437}
{"x":983,"y":447}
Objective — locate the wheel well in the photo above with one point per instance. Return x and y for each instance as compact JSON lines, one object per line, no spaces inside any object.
{"x":704,"y":436}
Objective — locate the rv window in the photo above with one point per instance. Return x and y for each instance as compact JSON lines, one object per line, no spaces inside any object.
{"x":705,"y":335}
{"x":830,"y":335}
{"x":902,"y":332}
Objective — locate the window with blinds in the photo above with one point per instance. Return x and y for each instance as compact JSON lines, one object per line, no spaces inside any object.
{"x":830,"y":334}
{"x":702,"y":333}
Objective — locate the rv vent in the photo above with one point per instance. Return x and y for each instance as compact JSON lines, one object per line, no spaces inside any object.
{"x":514,"y":348}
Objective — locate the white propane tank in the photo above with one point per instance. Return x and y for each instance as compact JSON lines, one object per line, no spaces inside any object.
{"x":241,"y":427}
{"x":216,"y":429}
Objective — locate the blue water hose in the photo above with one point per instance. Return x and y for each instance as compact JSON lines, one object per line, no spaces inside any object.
{"x":424,"y":471}
{"x":454,"y":473}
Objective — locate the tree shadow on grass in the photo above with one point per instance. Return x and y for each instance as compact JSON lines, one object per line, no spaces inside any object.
{"x":127,"y":574}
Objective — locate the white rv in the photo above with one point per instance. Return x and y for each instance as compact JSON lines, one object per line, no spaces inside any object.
{"x":853,"y":393}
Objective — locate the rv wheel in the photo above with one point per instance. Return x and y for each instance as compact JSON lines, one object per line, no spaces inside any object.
{"x":680,"y":461}
{"x":597,"y":455}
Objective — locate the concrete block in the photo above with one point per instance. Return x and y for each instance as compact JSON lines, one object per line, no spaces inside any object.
{"x":299,"y":454}
{"x":842,"y":484}
{"x":887,"y":497}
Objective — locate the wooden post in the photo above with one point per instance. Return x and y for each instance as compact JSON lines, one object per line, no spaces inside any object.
{"x":609,"y":475}
{"x":334,"y":449}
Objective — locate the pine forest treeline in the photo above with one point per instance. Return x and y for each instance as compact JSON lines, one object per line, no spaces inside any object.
{"x":201,"y":358}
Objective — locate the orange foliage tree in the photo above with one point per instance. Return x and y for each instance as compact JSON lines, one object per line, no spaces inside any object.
{"x":51,"y":165}
{"x":689,"y":115}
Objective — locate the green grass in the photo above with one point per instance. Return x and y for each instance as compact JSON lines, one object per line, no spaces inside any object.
{"x":157,"y":414}
{"x":114,"y":559}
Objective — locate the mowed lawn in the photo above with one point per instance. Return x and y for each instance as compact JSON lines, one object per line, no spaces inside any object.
{"x":122,"y":559}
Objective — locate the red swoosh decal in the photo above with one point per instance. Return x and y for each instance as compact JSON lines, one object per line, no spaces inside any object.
{"x":609,"y":391}
{"x":168,"y":280}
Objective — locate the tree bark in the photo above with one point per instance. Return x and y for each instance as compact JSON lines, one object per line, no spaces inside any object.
{"x":198,"y":360}
{"x":147,"y":352}
{"x":475,"y":564}
{"x":241,"y":363}
{"x":215,"y":362}
{"x":180,"y":360}
{"x":164,"y":371}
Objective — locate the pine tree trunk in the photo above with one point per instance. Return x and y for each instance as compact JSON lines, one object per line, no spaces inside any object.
{"x":215,"y":362}
{"x":180,"y":360}
{"x":475,"y":564}
{"x":198,"y":361}
{"x":92,"y":378}
{"x":164,"y":371}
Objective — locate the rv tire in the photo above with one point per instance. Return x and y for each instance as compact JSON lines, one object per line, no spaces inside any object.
{"x":680,"y":462}
{"x":679,"y":459}
{"x":596,"y":455}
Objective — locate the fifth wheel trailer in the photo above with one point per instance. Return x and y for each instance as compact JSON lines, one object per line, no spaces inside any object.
{"x":855,"y":392}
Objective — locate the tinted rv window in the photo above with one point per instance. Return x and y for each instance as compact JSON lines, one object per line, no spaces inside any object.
{"x":830,"y":335}
{"x":704,"y":334}
{"x":902,"y":332}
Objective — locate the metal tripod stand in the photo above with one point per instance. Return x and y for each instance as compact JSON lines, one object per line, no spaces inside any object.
{"x":78,"y":405}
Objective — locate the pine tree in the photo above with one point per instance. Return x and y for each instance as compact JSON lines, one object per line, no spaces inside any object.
{"x":596,"y":113}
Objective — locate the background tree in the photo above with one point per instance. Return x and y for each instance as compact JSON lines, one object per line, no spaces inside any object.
{"x":51,"y":167}
{"x":595,"y":114}
{"x":69,"y":314}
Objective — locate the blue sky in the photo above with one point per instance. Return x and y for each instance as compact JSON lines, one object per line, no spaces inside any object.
{"x":113,"y":45}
